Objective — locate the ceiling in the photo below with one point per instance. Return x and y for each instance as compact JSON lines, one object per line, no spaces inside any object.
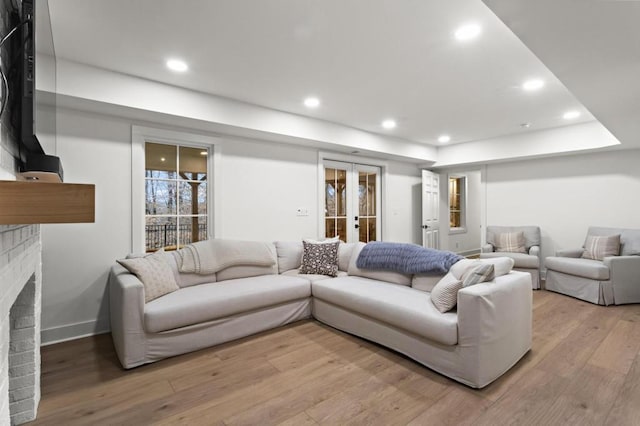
{"x":366,"y":60}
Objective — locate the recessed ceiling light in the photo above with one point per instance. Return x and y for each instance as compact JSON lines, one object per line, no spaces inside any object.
{"x":570,"y":115}
{"x":468,"y":32}
{"x":444,"y":138}
{"x":531,"y":85}
{"x":312,"y":102}
{"x":177,"y":65}
{"x":203,"y":152}
{"x":162,"y":159}
{"x":525,"y":125}
{"x":389,"y":124}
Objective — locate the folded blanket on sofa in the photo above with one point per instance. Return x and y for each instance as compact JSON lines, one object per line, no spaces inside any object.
{"x":210,"y":256}
{"x":405,"y":258}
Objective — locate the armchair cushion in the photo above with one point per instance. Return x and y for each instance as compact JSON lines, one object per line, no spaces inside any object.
{"x":629,"y":238}
{"x":510,"y":242}
{"x":520,"y":260}
{"x":599,"y":247}
{"x":587,"y":268}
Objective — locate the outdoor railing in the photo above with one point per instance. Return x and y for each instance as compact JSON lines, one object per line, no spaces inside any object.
{"x":158,"y":236}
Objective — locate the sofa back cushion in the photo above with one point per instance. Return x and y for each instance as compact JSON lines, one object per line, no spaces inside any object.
{"x":501,"y":265}
{"x":183,"y":279}
{"x":289,"y":255}
{"x":344,"y":255}
{"x":246,"y":271}
{"x":425,"y":282}
{"x":629,"y":238}
{"x":388,"y":276}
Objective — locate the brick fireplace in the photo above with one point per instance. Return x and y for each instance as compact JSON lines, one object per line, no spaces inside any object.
{"x":20,"y":303}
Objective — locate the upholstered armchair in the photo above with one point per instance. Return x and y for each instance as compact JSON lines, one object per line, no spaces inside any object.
{"x":521,"y":243}
{"x":605,"y":271}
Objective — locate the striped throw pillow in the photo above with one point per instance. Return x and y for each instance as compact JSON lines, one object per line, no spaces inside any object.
{"x":599,"y":247}
{"x":511,"y":242}
{"x":444,"y":294}
{"x":478,"y":274}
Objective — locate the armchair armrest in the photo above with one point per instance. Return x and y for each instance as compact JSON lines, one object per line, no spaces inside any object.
{"x":625,"y":278}
{"x":126,"y":305}
{"x":487,"y":248}
{"x":534,"y":251}
{"x":570,"y":253}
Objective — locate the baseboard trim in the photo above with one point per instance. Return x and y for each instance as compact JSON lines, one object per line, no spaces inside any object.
{"x":467,"y":253}
{"x":78,"y":330}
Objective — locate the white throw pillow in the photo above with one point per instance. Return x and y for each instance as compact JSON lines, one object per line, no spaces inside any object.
{"x":444,"y":295}
{"x":155,"y":274}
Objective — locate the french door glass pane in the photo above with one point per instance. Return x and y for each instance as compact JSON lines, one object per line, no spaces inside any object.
{"x":367,"y":206}
{"x":160,"y":232}
{"x":335,"y":203}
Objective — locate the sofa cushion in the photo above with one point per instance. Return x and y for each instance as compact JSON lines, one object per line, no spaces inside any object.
{"x":510,"y":242}
{"x":344,"y":255}
{"x":289,"y":255}
{"x":402,"y":307}
{"x":599,"y":247}
{"x":387,"y":276}
{"x":206,"y":302}
{"x":320,"y":257}
{"x":425,"y":282}
{"x":445,"y":293}
{"x":520,"y":260}
{"x":185,"y":279}
{"x":154,"y":272}
{"x":311,"y":277}
{"x":586,"y":268}
{"x":235,"y":272}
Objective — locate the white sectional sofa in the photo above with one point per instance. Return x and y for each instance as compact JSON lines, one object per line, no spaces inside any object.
{"x":475,"y":344}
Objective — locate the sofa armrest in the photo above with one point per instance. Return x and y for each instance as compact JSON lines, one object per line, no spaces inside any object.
{"x":126,"y":304}
{"x":570,"y":253}
{"x":487,"y":248}
{"x":495,"y":324}
{"x":625,"y":278}
{"x":534,"y":251}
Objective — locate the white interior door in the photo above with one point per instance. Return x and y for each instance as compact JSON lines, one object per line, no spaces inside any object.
{"x":430,"y":209}
{"x":352,"y":208}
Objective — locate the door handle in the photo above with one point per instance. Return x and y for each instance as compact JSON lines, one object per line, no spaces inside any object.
{"x":425,"y":226}
{"x":357,"y":226}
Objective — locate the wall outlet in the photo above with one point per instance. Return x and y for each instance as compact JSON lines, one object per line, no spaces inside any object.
{"x":302,"y":211}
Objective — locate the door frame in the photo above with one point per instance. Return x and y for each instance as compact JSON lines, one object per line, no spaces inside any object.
{"x":353,"y":159}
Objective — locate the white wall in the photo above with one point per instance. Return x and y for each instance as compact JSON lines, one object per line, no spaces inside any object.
{"x":565,"y":195}
{"x":261,"y":184}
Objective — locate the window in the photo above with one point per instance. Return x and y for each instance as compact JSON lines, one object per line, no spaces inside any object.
{"x":457,"y":203}
{"x":176,"y":197}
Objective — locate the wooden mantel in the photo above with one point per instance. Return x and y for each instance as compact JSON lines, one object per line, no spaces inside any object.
{"x":24,"y":202}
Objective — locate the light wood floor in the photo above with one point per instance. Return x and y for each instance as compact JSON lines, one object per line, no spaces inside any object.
{"x":584,"y":369}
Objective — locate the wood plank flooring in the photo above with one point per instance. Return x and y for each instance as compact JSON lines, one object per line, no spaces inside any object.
{"x":584,"y":369}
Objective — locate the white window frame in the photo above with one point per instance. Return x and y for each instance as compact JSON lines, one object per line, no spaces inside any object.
{"x":328,"y":157}
{"x":463,"y":204}
{"x":141,"y":135}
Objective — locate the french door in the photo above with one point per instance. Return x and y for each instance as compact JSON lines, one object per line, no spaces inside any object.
{"x":351,"y":201}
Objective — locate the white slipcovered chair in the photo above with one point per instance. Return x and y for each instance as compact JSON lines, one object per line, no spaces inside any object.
{"x":612,"y":280}
{"x":529,"y":261}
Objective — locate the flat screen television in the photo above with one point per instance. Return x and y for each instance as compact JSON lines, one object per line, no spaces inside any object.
{"x":35,"y":164}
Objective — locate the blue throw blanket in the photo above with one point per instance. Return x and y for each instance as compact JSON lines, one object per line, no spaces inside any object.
{"x":405,"y":258}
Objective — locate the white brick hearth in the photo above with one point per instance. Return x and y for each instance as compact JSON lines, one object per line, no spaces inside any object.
{"x":20,"y":304}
